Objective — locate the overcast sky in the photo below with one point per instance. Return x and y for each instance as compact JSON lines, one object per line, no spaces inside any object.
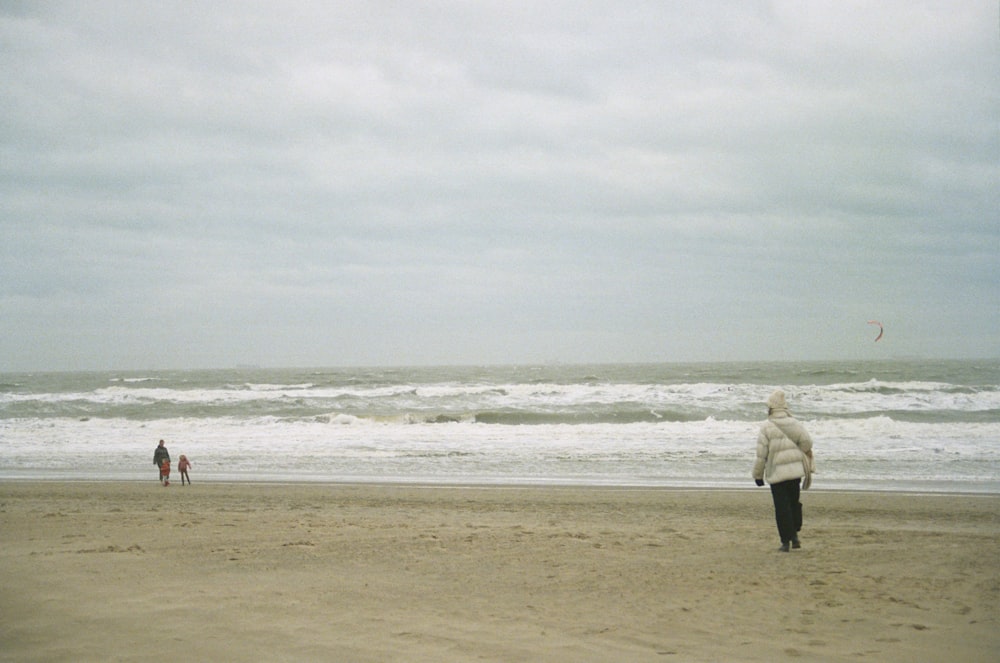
{"x":206,"y":184}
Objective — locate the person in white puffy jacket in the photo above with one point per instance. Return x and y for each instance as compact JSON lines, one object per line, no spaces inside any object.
{"x":784,"y":459}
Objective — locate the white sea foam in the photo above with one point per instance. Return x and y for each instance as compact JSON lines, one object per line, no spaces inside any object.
{"x":876,"y":450}
{"x":695,"y":397}
{"x":614,"y":425}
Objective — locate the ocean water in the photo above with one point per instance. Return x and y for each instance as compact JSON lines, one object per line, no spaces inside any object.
{"x":893,"y":425}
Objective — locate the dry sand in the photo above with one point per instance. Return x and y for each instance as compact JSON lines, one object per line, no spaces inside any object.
{"x":260,"y":572}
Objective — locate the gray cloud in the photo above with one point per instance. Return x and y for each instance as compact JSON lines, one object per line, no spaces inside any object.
{"x":381,"y":182}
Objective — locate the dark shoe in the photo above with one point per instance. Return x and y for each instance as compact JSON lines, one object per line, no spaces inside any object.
{"x":783,"y":548}
{"x":796,"y":544}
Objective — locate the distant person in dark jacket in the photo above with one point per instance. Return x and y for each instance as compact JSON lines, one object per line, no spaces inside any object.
{"x":784,"y":459}
{"x":161,"y":454}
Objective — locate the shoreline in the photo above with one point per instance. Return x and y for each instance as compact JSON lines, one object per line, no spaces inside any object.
{"x":121,"y":570}
{"x":905,"y":489}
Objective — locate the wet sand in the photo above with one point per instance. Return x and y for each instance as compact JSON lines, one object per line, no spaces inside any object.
{"x":131,"y":571}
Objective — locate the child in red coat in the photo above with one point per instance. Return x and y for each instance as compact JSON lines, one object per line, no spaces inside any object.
{"x":183,"y":467}
{"x":165,"y":472}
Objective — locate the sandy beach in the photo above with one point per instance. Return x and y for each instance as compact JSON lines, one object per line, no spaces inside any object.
{"x":132,"y":571}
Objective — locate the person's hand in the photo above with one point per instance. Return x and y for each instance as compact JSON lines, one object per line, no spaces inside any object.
{"x":759,"y":482}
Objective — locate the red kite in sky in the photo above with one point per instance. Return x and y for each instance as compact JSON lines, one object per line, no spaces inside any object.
{"x":881,"y":330}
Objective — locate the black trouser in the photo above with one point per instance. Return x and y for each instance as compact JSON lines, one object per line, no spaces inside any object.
{"x":787,"y":509}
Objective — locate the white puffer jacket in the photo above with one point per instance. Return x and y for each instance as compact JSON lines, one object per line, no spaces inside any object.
{"x":782,"y":446}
